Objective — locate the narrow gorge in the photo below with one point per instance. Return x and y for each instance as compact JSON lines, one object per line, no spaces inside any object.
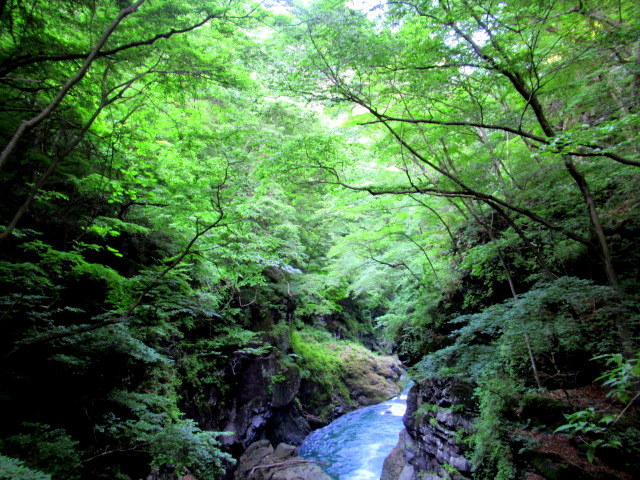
{"x":232,"y":232}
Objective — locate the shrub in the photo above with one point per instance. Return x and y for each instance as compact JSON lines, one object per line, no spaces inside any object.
{"x":13,"y":469}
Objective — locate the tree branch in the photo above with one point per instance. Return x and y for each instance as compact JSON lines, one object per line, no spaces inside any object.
{"x":515,"y":131}
{"x":466,"y":190}
{"x":285,"y":464}
{"x":27,"y":125}
{"x":26,"y":60}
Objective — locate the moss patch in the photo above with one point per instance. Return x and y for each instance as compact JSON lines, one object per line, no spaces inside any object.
{"x":370,"y":378}
{"x":340,"y":375}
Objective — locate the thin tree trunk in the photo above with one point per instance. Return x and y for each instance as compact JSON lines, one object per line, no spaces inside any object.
{"x":527,"y":341}
{"x":27,"y":125}
{"x":512,"y":287}
{"x":594,"y":218}
{"x":533,"y":361}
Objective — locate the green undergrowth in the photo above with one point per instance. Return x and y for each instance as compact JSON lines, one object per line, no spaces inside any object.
{"x":320,"y":357}
{"x":15,"y":469}
{"x":556,"y":323}
{"x":323,"y":368}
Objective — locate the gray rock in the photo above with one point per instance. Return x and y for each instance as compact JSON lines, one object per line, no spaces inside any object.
{"x":284,"y":452}
{"x":396,"y":462}
{"x":261,"y":404}
{"x":307,"y":471}
{"x":284,"y":391}
{"x":429,"y":441}
{"x":279,"y":464}
{"x":407,"y":473}
{"x":255,"y":455}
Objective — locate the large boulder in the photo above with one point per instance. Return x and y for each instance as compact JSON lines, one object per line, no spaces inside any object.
{"x":370,"y":378}
{"x":262,"y":462}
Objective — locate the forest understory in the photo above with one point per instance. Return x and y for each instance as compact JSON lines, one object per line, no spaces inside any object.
{"x":224,"y":221}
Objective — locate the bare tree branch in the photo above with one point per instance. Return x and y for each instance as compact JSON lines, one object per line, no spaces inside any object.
{"x":285,"y":464}
{"x":461,"y":124}
{"x":598,"y":150}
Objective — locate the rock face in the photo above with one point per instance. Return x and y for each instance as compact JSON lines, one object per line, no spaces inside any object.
{"x":265,"y":398}
{"x":396,"y":466}
{"x":262,"y":404}
{"x":371,"y":379}
{"x":437,"y":412}
{"x":261,"y":462}
{"x":263,"y":401}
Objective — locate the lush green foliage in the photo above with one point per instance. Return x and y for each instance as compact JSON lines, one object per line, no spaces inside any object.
{"x":222,"y":179}
{"x":559,"y":324}
{"x":596,"y":426}
{"x":15,"y":469}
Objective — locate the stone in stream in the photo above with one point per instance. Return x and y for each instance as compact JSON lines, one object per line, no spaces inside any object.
{"x":282,"y":463}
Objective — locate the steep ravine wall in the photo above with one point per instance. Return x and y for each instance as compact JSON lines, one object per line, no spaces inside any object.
{"x":441,"y":413}
{"x":438,"y":413}
{"x":264,"y":399}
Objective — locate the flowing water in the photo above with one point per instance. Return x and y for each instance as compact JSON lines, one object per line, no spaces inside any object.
{"x":355,"y":445}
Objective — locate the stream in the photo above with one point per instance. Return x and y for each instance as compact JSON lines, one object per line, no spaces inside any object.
{"x":354,"y":446}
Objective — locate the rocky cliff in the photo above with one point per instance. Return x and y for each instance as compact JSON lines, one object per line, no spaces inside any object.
{"x":438,"y":414}
{"x":267,"y":398}
{"x":441,"y":412}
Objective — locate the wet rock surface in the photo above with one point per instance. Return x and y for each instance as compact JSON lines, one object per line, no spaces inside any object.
{"x":396,"y":465}
{"x":428,"y":448}
{"x":262,"y":462}
{"x":266,"y":398}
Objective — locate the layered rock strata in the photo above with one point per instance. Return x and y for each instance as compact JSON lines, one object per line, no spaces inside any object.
{"x":438,"y":413}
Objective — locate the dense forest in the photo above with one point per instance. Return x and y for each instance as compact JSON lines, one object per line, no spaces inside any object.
{"x":197,"y":191}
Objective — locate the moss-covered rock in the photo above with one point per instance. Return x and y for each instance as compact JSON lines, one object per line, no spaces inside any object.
{"x":370,"y":378}
{"x":340,"y":376}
